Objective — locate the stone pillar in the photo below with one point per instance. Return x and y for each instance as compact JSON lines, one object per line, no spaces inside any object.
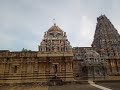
{"x":117,"y":70}
{"x":47,"y":68}
{"x":110,"y":68}
{"x":69,"y":71}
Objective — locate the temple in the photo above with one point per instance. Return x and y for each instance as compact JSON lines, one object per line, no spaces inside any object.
{"x":56,"y":61}
{"x":107,"y":43}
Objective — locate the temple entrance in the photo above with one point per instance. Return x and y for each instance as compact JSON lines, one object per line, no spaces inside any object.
{"x":85,"y":73}
{"x":55,"y":80}
{"x":55,"y":66}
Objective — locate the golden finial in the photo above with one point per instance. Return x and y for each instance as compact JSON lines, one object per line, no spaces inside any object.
{"x":54,"y":22}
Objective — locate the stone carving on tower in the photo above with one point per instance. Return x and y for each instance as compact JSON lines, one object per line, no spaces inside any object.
{"x":54,"y":41}
{"x":106,"y":39}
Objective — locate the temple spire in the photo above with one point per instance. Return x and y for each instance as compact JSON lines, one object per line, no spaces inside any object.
{"x":106,"y":37}
{"x":55,"y":41}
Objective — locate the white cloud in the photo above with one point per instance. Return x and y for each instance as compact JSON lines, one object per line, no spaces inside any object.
{"x":84,"y":35}
{"x":86,"y":27}
{"x":118,"y":28}
{"x":23,"y":22}
{"x":6,"y":41}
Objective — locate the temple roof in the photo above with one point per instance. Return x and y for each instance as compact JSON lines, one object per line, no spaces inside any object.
{"x":55,"y":28}
{"x":102,"y":17}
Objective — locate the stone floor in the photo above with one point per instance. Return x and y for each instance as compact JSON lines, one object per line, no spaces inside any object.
{"x":111,"y":85}
{"x":64,"y":87}
{"x":23,"y":87}
{"x":73,"y":87}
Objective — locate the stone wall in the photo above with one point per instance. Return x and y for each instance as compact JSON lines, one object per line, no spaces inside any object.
{"x":24,"y":67}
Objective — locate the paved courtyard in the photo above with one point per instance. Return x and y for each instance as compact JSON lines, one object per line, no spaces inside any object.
{"x":111,"y":85}
{"x":23,"y":88}
{"x":64,"y":87}
{"x":73,"y":87}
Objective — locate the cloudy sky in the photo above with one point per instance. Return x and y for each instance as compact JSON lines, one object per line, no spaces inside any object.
{"x":23,"y":22}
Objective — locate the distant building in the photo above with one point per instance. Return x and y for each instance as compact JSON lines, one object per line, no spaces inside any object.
{"x":56,"y":61}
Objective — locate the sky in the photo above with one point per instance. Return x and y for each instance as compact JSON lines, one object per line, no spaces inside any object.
{"x":23,"y":22}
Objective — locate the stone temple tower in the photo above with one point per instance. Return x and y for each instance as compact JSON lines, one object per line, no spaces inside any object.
{"x":55,"y":41}
{"x":107,"y":43}
{"x":106,"y":39}
{"x":55,"y":50}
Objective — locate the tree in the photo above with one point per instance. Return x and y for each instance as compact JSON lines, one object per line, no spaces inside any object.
{"x":25,"y":50}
